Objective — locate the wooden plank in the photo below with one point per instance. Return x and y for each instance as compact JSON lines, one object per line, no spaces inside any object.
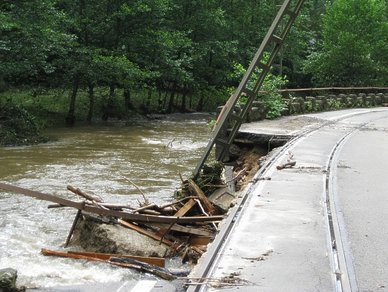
{"x":65,"y":254}
{"x":160,"y":262}
{"x":145,"y":232}
{"x":181,"y":212}
{"x":186,"y":208}
{"x":184,"y":229}
{"x":104,"y":212}
{"x":199,"y":240}
{"x":194,"y":188}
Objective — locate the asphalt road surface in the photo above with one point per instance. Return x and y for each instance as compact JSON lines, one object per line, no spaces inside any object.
{"x":319,"y":226}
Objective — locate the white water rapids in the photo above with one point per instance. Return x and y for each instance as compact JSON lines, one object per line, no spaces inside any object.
{"x":97,"y":159}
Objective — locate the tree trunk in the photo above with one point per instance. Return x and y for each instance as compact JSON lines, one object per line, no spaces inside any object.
{"x":171,"y":101}
{"x":200,"y":104}
{"x":111,"y":92}
{"x":108,"y":107}
{"x":160,"y":101}
{"x":127,"y":99}
{"x":183,"y":104}
{"x":91,"y":101}
{"x":165,"y":99}
{"x":149,"y":98}
{"x":70,"y":118}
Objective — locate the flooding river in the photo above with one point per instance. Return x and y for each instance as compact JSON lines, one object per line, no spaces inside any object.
{"x":96,"y":159}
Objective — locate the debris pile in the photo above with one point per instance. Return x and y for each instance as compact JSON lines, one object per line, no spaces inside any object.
{"x":180,"y":228}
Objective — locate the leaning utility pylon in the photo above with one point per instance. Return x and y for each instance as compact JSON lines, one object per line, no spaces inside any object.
{"x":251,"y":83}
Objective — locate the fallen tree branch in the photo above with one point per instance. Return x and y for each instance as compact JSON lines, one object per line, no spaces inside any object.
{"x":146,"y":201}
{"x":87,"y":196}
{"x":150,"y":206}
{"x":176,"y":202}
{"x":286,"y":165}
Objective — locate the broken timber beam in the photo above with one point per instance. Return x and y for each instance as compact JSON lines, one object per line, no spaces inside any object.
{"x":160,"y":262}
{"x":186,"y":208}
{"x":194,"y":188}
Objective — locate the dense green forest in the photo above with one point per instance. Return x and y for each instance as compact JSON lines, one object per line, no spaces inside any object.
{"x":108,"y":58}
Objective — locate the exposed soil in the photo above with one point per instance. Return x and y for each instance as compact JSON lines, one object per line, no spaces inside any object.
{"x":247,"y":166}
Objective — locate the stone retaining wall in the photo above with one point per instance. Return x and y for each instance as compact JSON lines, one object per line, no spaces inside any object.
{"x":309,"y":104}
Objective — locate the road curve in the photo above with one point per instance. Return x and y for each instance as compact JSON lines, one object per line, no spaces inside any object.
{"x":319,"y":226}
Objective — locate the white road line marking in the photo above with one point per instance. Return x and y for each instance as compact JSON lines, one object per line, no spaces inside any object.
{"x":144,"y":286}
{"x":122,"y":286}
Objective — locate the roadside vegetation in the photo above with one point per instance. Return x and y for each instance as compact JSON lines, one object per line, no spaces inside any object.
{"x":69,"y":61}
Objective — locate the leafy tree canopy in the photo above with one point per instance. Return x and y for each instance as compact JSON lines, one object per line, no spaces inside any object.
{"x":354,"y":46}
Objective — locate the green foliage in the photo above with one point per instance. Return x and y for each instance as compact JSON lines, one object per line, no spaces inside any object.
{"x":31,"y":40}
{"x":355,"y":39}
{"x":272,"y":99}
{"x":335,"y":104}
{"x":209,"y":178}
{"x":170,"y":55}
{"x":17,"y":126}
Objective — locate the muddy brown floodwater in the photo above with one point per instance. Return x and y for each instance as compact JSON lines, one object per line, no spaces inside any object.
{"x":97,"y":159}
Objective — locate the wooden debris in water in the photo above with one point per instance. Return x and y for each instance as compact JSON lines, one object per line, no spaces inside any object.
{"x":122,"y":261}
{"x":185,"y":225}
{"x":90,"y":197}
